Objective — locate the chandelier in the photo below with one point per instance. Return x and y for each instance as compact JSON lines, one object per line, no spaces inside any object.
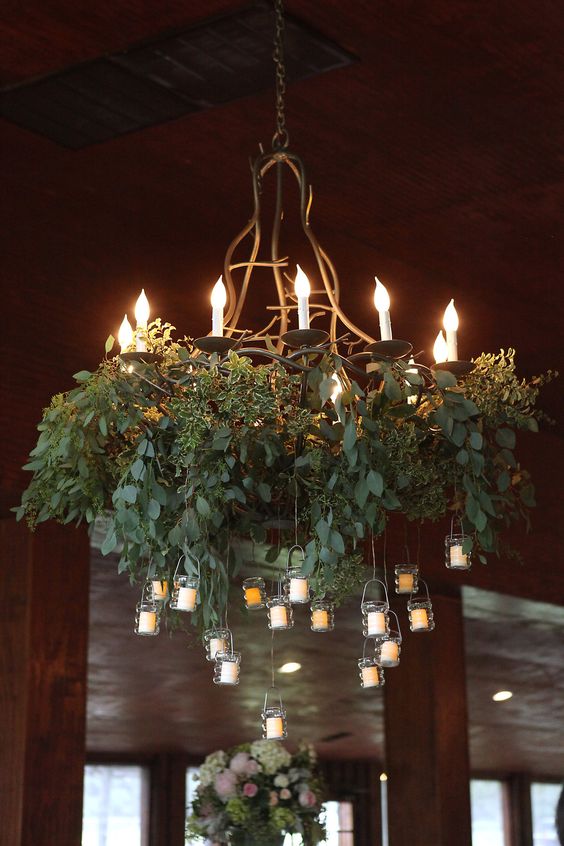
{"x":291,"y":444}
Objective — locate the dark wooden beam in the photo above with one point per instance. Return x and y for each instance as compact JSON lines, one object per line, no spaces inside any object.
{"x":426,"y":736}
{"x":43,"y":652}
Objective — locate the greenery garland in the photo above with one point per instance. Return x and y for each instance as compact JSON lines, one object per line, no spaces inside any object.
{"x":192,"y":452}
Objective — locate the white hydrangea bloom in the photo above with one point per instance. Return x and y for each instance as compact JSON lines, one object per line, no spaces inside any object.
{"x":213,"y":764}
{"x":281,"y":780}
{"x":270,"y":755}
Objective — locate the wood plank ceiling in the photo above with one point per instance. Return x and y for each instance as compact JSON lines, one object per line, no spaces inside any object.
{"x":436,"y":163}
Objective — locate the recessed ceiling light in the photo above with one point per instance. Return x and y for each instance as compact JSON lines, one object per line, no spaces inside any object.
{"x":290,"y":667}
{"x":502,"y":695}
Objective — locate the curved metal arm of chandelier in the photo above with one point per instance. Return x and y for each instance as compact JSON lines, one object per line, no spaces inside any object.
{"x":280,"y":158}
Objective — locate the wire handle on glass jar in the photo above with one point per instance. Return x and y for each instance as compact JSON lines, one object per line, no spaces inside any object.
{"x":415,"y":592}
{"x":290,"y":553}
{"x":273,"y":689}
{"x":380,"y":582}
{"x":398,"y":625}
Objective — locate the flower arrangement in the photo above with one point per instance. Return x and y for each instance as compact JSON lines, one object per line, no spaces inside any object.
{"x":255,"y":794}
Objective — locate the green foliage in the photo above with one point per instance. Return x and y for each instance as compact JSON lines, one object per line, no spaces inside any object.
{"x":189,"y":453}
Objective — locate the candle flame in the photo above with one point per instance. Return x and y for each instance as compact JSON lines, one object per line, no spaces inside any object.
{"x":450,"y":318}
{"x":142,"y":310}
{"x":381,"y":296}
{"x":440,"y":348}
{"x":125,"y":334}
{"x":219,"y":294}
{"x":338,"y":388}
{"x":302,"y":287}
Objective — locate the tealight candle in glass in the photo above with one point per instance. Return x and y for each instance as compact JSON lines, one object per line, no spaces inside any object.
{"x":371,"y":673}
{"x":388,"y":650}
{"x":185,"y":593}
{"x":280,"y":613}
{"x":297,"y":587}
{"x":274,"y":726}
{"x":160,"y":588}
{"x":254,"y":592}
{"x":375,"y":617}
{"x":215,"y":641}
{"x":147,"y":615}
{"x":420,"y":615}
{"x":455,"y":557}
{"x":406,"y":578}
{"x":227,"y":668}
{"x":322,"y":615}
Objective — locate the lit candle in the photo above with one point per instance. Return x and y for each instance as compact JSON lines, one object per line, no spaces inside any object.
{"x":218,"y":300}
{"x":405,"y":583}
{"x":302,"y":290}
{"x":186,"y":598}
{"x":278,"y":616}
{"x":320,"y":619}
{"x":389,"y":653}
{"x":370,"y":677}
{"x":450,"y":323}
{"x":382,"y":303}
{"x":274,"y":727}
{"x":253,"y":598}
{"x":457,"y":557}
{"x":229,"y":672}
{"x":125,"y":334}
{"x":413,"y":398}
{"x":147,"y":622}
{"x":440,"y":348}
{"x":419,"y":618}
{"x":338,"y":389}
{"x":141,"y":318}
{"x":299,"y":590}
{"x":160,"y":588}
{"x":376,"y":622}
{"x":217,"y":644}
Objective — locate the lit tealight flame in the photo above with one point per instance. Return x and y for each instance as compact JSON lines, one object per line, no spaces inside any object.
{"x":338,"y":387}
{"x":219,"y":294}
{"x":125,"y":334}
{"x":383,"y":777}
{"x":450,"y":318}
{"x":142,"y":310}
{"x":301,"y":283}
{"x":381,"y":296}
{"x":440,"y":348}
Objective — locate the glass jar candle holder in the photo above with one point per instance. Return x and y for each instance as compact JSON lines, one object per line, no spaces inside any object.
{"x":322,"y":615}
{"x":280,"y":613}
{"x":227,"y":668}
{"x":274,"y":724}
{"x":184,"y":593}
{"x":147,"y":613}
{"x":216,"y":640}
{"x":160,"y":588}
{"x":371,"y":673}
{"x":375,"y":618}
{"x":297,"y":587}
{"x":420,"y":612}
{"x":455,"y":557}
{"x":254,"y":592}
{"x":388,"y":650}
{"x":406,"y":578}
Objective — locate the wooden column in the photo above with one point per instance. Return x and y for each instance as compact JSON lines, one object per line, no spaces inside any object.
{"x":426,"y":734}
{"x":43,"y":649}
{"x":520,"y":811}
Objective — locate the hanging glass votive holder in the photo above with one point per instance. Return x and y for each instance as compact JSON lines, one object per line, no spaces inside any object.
{"x":160,"y":588}
{"x":274,"y":725}
{"x":216,"y":640}
{"x":227,"y":665}
{"x":388,"y":647}
{"x":185,"y":590}
{"x":420,"y":612}
{"x":254,"y":591}
{"x":375,"y":616}
{"x":322,"y":615}
{"x":147,"y":612}
{"x":406,"y":578}
{"x":296,"y":585}
{"x":371,"y":673}
{"x":455,"y":557}
{"x":280,"y":612}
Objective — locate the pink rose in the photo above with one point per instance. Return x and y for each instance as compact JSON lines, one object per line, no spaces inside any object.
{"x":307,"y":799}
{"x":225,"y":785}
{"x":253,"y":767}
{"x":273,"y":798}
{"x":285,"y":793}
{"x":250,"y":789}
{"x":239,"y":763}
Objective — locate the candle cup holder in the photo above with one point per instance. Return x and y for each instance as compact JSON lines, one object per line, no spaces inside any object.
{"x":132,"y":358}
{"x":406,"y":578}
{"x":375,"y":616}
{"x":216,"y":640}
{"x":254,"y":591}
{"x":457,"y":368}
{"x":455,"y":557}
{"x":388,"y":647}
{"x":215,"y":344}
{"x":227,"y":668}
{"x":322,"y":615}
{"x":297,"y":338}
{"x":274,"y":724}
{"x":147,"y":613}
{"x":371,"y":673}
{"x":420,"y":610}
{"x":296,"y":585}
{"x":160,"y":588}
{"x":385,"y":350}
{"x":280,"y":613}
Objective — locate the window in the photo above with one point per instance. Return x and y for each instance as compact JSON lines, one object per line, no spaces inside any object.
{"x":115,"y":806}
{"x":544,"y":798}
{"x":489,"y":825}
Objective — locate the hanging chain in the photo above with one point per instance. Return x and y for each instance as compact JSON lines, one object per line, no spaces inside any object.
{"x":281,"y":138}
